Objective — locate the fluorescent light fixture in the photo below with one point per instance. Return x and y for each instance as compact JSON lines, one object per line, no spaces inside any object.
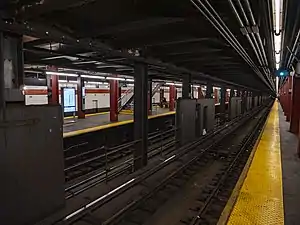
{"x":84,"y":62}
{"x":277,"y":6}
{"x":61,"y":74}
{"x":71,"y":58}
{"x":169,"y":83}
{"x":277,"y":19}
{"x":67,"y":81}
{"x":32,"y":71}
{"x":94,"y":77}
{"x":109,"y":66}
{"x":277,"y":58}
{"x":114,"y":78}
{"x":130,"y":80}
{"x":277,"y":42}
{"x":178,"y":84}
{"x":95,"y":82}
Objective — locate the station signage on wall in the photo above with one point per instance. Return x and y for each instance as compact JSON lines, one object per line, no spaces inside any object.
{"x":69,"y":99}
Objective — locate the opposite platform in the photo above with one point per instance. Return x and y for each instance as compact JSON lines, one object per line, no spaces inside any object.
{"x":258,"y":196}
{"x":102,"y":121}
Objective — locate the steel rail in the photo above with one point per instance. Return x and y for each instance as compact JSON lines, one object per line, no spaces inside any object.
{"x":248,"y":140}
{"x":134,"y":181}
{"x":174,"y":173}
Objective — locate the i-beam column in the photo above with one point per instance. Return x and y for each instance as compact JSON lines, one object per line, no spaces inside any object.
{"x":186,"y":87}
{"x":222,"y":103}
{"x":80,"y":97}
{"x":140,"y":115}
{"x":209,"y":90}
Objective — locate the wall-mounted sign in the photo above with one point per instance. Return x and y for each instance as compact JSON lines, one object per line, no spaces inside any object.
{"x":69,"y":99}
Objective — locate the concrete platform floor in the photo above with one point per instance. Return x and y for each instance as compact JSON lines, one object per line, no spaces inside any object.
{"x":74,"y":124}
{"x":290,"y":172}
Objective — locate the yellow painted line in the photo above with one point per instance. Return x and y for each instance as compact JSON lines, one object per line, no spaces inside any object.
{"x":88,"y":115}
{"x":260,"y":200}
{"x":235,"y":193}
{"x":110,"y":125}
{"x":126,"y":112}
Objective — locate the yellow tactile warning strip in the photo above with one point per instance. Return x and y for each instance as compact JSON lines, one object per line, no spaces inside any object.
{"x":260,"y":200}
{"x":92,"y":129}
{"x":88,"y":115}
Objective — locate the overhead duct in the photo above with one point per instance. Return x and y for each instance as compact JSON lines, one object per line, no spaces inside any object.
{"x":212,"y":16}
{"x":251,"y":31}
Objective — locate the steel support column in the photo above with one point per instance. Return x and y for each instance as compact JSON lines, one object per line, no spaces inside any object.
{"x":200,"y":93}
{"x":172,"y":97}
{"x":161,"y":94}
{"x":289,"y":98}
{"x":140,"y":115}
{"x":216,"y":95}
{"x":243,"y":94}
{"x":150,"y":97}
{"x":113,"y":95}
{"x":119,"y":97}
{"x":80,"y":98}
{"x":295,"y":113}
{"x":227,"y":93}
{"x":53,"y":98}
{"x":2,"y":83}
{"x":209,"y":90}
{"x":186,"y":87}
{"x":222,"y":103}
{"x":232,"y":94}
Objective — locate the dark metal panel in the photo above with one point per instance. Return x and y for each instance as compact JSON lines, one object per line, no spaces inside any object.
{"x":186,"y":120}
{"x":31,"y":163}
{"x":235,"y":107}
{"x":207,"y":120}
{"x":249,"y":103}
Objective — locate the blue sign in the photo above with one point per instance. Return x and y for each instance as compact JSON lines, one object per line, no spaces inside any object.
{"x":282,"y":73}
{"x":69,"y":99}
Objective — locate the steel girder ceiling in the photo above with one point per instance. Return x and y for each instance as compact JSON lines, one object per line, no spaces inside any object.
{"x":173,"y":32}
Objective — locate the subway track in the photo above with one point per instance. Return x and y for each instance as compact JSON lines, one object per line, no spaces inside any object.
{"x":151,"y":190}
{"x":120,"y":163}
{"x":118,"y":160}
{"x":89,"y":161}
{"x":210,"y":173}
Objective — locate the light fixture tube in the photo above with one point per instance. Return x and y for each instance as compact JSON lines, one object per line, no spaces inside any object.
{"x":114,"y":78}
{"x":61,"y":74}
{"x":94,"y":77}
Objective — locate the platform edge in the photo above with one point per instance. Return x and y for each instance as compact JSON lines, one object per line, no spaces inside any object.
{"x":235,"y":193}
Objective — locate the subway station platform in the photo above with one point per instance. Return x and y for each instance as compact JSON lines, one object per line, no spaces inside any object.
{"x":98,"y":121}
{"x":268,"y":189}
